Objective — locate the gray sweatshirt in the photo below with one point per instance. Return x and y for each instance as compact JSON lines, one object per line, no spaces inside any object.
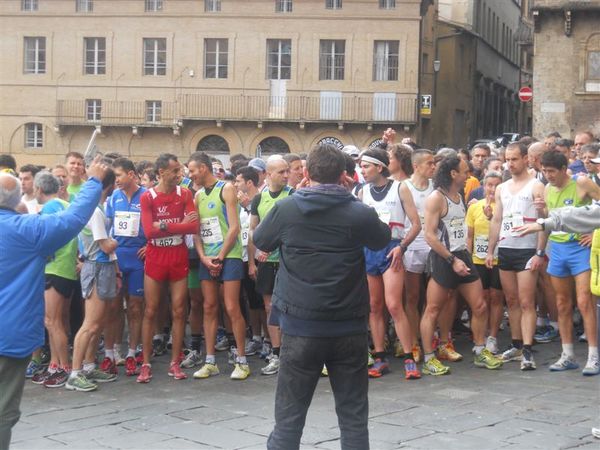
{"x":582,"y":219}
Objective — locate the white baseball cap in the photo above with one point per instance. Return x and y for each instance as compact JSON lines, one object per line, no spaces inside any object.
{"x":595,"y":160}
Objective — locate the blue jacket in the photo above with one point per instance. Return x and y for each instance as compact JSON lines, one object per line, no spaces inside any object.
{"x":26,"y":241}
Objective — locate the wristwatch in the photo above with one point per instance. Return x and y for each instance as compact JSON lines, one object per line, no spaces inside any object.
{"x":403,"y":248}
{"x":541,"y":222}
{"x":163,"y":226}
{"x":450,"y":259}
{"x":541,"y":253}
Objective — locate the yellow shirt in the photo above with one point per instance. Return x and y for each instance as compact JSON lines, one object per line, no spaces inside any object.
{"x":477,"y":220}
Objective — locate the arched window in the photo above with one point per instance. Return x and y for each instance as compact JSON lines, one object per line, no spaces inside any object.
{"x":272,"y":146}
{"x":213,"y":144}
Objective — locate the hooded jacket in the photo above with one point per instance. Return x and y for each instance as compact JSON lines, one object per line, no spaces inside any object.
{"x":321,"y":233}
{"x":26,"y":242}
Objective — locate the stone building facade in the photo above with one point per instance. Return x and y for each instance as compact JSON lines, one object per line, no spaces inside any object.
{"x":566,"y":79}
{"x":228,"y":76}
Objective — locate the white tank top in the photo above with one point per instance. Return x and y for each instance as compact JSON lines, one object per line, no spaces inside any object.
{"x":389,"y":209}
{"x":453,"y":227}
{"x":419,"y":196}
{"x":517,"y":209}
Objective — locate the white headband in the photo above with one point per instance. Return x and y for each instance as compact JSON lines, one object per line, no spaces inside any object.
{"x":372,"y":160}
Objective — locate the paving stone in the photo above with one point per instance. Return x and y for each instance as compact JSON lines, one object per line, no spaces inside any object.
{"x":211,"y":435}
{"x":546,"y":440}
{"x":243,"y":422}
{"x":149,"y":422}
{"x":72,"y":437}
{"x":177,"y":444}
{"x":37,"y":443}
{"x":204,"y":415}
{"x":448,"y":440}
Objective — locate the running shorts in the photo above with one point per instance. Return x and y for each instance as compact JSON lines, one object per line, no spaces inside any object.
{"x":377,"y":261}
{"x":265,"y":277}
{"x":568,"y":259}
{"x":514,"y":259}
{"x":103,"y":276}
{"x":233,"y":270}
{"x":415,"y":261}
{"x":255,"y":300}
{"x":443,"y":274}
{"x":63,"y":286}
{"x":132,"y":268}
{"x":167,"y":263}
{"x":490,"y":278}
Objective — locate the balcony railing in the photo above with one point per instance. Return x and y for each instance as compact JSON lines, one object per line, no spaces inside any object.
{"x":334,"y":107}
{"x":115,"y":113}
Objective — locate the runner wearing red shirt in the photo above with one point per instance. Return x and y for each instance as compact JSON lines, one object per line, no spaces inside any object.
{"x":168,"y":214}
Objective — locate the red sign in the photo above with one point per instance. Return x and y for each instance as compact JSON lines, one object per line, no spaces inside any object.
{"x":525,"y":94}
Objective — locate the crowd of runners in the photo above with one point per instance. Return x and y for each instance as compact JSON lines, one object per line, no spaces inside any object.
{"x":169,"y":248}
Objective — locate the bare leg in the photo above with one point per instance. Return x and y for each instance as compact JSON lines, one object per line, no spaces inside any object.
{"x":178,"y":314}
{"x":152,"y":292}
{"x":511,"y":293}
{"x":377,"y":316}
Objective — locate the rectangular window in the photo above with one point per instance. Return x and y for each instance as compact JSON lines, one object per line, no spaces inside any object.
{"x":154,"y":5}
{"x":215,"y":58}
{"x":86,"y":6}
{"x":94,"y":56}
{"x":34,"y":60}
{"x":331,"y":60}
{"x":212,"y":5}
{"x":283,"y":5}
{"x":333,"y":4}
{"x":385,"y":60}
{"x":93,"y":110}
{"x":155,"y":56}
{"x":29,"y":5}
{"x":387,"y":4}
{"x":593,"y":65}
{"x":34,"y":135}
{"x":279,"y":59}
{"x":153,"y":111}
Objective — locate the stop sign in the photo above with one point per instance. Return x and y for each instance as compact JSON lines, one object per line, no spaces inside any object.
{"x":525,"y":94}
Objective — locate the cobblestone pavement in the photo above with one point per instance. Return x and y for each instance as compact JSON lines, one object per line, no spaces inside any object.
{"x":471,"y":408}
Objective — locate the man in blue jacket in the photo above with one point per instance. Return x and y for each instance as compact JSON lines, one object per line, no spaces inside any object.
{"x":321,"y":298}
{"x":26,"y":242}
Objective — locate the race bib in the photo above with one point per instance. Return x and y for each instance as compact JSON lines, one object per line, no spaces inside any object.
{"x":245,"y":233}
{"x":126,"y":224}
{"x":457,"y":234}
{"x":210,"y":231}
{"x":169,"y":241}
{"x":384,"y":216}
{"x":510,"y":222}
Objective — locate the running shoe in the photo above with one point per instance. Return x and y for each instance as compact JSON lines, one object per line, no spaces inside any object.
{"x":267,"y":348}
{"x":324,"y":371}
{"x":40,"y":376}
{"x":33,"y":368}
{"x":193,"y":359}
{"x":398,"y":350}
{"x":591,"y":368}
{"x":447,"y":352}
{"x":564,"y":363}
{"x":170,"y":342}
{"x":57,"y":379}
{"x":370,"y":360}
{"x":545,"y":335}
{"x":80,"y":383}
{"x":417,"y":353}
{"x":131,"y":367}
{"x":119,"y":360}
{"x":596,"y":432}
{"x":176,"y":372}
{"x":435,"y":367}
{"x":109,"y":366}
{"x":411,"y":371}
{"x":527,"y":363}
{"x":582,"y":338}
{"x":232,"y":355}
{"x":240,"y":372}
{"x":45,"y":356}
{"x":159,"y":347}
{"x":492,"y":345}
{"x":145,"y":374}
{"x":253,"y":347}
{"x":487,"y":360}
{"x":139,"y":357}
{"x":512,"y":354}
{"x":379,"y":368}
{"x":273,"y":367}
{"x":99,"y":376}
{"x":222,"y":344}
{"x":207,"y":370}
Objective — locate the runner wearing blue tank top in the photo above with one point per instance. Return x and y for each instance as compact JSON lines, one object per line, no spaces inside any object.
{"x":451,"y":266}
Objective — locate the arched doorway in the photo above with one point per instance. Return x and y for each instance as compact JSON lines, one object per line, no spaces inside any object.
{"x":271,"y":146}
{"x":213,"y":145}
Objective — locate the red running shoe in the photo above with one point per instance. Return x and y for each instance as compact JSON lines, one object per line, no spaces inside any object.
{"x":411,"y":370}
{"x":109,"y":366}
{"x":176,"y":372}
{"x":380,"y":368}
{"x":145,"y":374}
{"x":131,"y":367}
